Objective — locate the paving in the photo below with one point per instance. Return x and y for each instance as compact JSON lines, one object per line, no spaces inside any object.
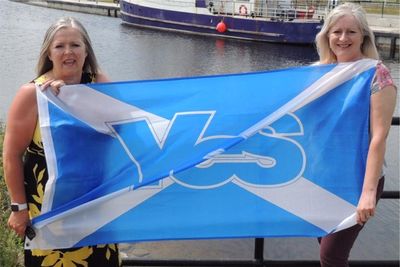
{"x":384,"y":23}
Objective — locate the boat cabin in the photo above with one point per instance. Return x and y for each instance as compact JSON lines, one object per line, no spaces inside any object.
{"x":273,"y":9}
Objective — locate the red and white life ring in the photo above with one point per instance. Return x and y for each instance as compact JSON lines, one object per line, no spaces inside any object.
{"x":310,"y":12}
{"x":243,"y":10}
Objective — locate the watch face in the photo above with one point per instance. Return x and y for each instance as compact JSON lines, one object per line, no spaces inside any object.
{"x":18,"y":207}
{"x":14,"y":208}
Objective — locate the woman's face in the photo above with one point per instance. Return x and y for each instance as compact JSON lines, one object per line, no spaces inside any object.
{"x":345,"y":39}
{"x":67,"y":51}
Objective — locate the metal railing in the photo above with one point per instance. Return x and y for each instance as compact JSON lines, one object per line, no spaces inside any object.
{"x":309,"y":9}
{"x":258,"y":260}
{"x":265,"y":10}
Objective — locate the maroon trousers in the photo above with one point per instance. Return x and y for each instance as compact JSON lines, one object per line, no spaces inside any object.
{"x":335,"y":248}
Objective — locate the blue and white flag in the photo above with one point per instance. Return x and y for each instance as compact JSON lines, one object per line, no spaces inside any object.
{"x":265,"y":154}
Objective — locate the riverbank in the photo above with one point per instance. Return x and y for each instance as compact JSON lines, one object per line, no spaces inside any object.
{"x":385,"y":27}
{"x":109,"y":8}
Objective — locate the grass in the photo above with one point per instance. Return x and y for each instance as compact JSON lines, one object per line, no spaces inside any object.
{"x":11,"y":247}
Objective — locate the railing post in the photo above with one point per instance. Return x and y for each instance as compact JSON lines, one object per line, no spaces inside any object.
{"x":259,"y":251}
{"x":396,"y":121}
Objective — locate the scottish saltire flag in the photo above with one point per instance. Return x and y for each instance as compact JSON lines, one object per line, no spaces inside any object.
{"x":278,"y":153}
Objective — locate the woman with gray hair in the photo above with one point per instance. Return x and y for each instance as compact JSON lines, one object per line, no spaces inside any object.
{"x":346,"y":37}
{"x":66,"y":57}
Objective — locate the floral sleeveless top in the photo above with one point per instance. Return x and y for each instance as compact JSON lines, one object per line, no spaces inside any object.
{"x":36,"y":176}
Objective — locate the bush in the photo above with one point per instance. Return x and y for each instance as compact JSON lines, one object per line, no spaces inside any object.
{"x":11,"y":246}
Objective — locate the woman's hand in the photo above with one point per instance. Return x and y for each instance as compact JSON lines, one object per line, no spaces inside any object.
{"x":18,"y":221}
{"x":55,"y":85}
{"x":366,"y":207}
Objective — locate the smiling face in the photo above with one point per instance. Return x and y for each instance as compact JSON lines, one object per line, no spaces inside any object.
{"x":345,"y":39}
{"x":67,"y":52}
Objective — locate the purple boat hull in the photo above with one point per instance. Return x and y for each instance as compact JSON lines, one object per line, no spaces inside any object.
{"x":295,"y":32}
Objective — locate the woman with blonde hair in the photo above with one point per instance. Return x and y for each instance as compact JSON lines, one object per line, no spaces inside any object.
{"x":368,"y":47}
{"x":66,"y":57}
{"x":346,"y":37}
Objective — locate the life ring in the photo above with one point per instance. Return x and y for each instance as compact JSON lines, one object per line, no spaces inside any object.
{"x":310,"y":12}
{"x":243,"y":10}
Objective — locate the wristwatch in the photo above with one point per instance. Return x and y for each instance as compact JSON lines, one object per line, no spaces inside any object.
{"x":18,"y":206}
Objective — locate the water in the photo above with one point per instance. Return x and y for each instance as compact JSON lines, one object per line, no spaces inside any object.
{"x":127,"y":53}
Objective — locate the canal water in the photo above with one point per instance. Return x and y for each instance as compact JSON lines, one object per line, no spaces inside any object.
{"x":128,"y":53}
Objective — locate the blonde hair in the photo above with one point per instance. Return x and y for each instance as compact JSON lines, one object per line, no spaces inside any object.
{"x":368,"y":48}
{"x":45,"y":64}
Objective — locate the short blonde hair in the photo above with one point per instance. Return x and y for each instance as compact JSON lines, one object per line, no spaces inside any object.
{"x":45,"y":64}
{"x":368,"y":48}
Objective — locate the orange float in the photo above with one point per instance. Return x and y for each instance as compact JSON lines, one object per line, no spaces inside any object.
{"x":221,"y":27}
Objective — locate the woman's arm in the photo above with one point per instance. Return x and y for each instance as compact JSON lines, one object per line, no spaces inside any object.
{"x":21,"y":122}
{"x":382,"y":107}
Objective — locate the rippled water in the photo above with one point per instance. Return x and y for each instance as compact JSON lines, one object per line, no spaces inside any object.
{"x":128,"y":53}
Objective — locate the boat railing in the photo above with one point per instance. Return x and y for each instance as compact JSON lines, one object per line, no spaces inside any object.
{"x":264,"y":10}
{"x":171,"y":3}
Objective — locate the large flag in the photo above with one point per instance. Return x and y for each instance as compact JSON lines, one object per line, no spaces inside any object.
{"x":276,"y":153}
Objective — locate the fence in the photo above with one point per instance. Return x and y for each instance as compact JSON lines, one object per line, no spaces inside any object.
{"x":382,"y":8}
{"x":258,"y":260}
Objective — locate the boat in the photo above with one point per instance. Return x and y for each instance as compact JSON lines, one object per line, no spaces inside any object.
{"x":278,"y":21}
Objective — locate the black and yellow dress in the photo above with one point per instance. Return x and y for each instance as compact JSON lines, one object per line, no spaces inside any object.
{"x":36,"y":176}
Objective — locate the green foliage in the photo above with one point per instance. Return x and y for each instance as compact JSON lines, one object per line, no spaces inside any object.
{"x":11,"y":247}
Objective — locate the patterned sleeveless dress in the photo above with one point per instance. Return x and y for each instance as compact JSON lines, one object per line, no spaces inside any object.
{"x":36,"y":176}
